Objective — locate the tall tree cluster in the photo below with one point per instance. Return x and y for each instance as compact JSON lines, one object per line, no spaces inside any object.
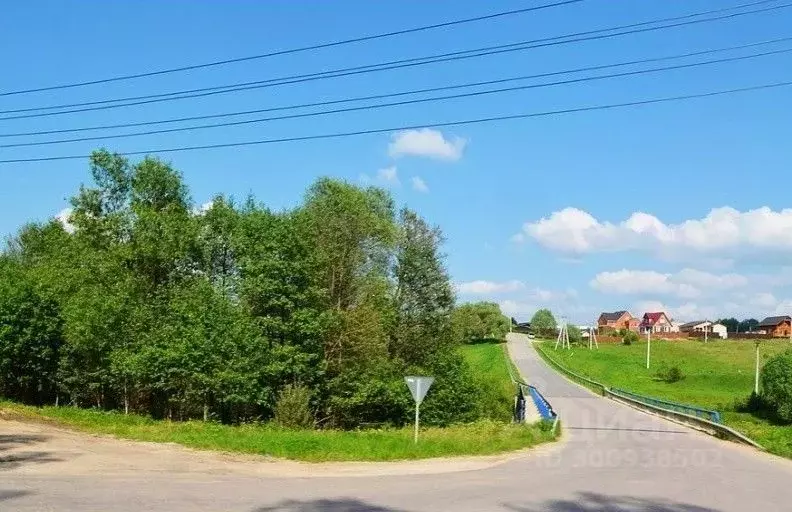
{"x":141,"y":303}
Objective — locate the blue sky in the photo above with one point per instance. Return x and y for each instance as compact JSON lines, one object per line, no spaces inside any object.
{"x":677,"y":206}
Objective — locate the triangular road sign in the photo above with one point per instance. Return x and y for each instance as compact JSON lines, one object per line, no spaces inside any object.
{"x":418,"y":386}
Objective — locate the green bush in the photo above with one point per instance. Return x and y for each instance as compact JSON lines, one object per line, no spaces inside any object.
{"x":670,"y":375}
{"x":293,"y":409}
{"x":630,"y":337}
{"x":777,"y":385}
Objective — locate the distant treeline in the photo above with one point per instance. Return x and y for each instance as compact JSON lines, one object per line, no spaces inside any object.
{"x":140,"y":302}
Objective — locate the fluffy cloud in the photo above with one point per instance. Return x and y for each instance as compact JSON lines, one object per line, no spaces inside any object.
{"x":489,"y":287}
{"x":428,"y":143}
{"x":63,"y":217}
{"x":687,"y":283}
{"x":419,"y":185}
{"x":725,"y":229}
{"x":389,"y":176}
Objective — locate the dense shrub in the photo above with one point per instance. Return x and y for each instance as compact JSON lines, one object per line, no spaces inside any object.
{"x":777,"y":385}
{"x":293,"y":409}
{"x":670,"y":375}
{"x":630,"y":337}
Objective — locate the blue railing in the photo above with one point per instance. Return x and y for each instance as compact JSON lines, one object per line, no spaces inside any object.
{"x":713,"y":416}
{"x":542,"y":405}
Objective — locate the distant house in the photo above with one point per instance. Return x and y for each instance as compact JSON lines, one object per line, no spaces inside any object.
{"x":721,"y":330}
{"x":697,"y":326}
{"x":704,"y":326}
{"x":675,"y":326}
{"x":655,"y":322}
{"x":617,"y":320}
{"x":777,"y":326}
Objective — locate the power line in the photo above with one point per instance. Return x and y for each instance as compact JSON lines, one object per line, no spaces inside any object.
{"x":385,"y":66}
{"x":393,"y":104}
{"x":293,"y":50}
{"x":400,"y":93}
{"x":417,"y":126}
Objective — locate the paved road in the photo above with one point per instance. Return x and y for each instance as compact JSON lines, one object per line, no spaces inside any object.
{"x":612,"y":459}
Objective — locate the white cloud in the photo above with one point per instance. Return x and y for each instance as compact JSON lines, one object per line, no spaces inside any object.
{"x":489,"y":287}
{"x":389,"y":176}
{"x":205,"y":207}
{"x":687,"y":283}
{"x":419,"y":185}
{"x":63,"y":217}
{"x":725,"y":229}
{"x":428,"y":143}
{"x":517,"y":309}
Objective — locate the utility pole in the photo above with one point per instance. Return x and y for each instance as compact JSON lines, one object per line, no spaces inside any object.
{"x":705,"y":330}
{"x":756,"y":377}
{"x":648,"y":345}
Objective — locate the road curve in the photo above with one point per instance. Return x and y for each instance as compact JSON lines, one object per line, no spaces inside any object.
{"x":612,"y":459}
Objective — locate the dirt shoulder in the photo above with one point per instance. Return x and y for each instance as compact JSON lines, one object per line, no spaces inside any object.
{"x":36,"y":448}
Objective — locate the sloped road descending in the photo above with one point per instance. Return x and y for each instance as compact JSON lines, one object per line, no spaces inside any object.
{"x":612,"y":459}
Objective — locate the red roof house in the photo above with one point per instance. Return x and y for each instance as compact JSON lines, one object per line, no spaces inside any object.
{"x":655,"y":322}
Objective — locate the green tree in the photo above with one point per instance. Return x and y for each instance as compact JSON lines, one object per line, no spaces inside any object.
{"x":424,"y":298}
{"x":777,"y":384}
{"x":479,"y":320}
{"x":543,"y":323}
{"x":749,"y":325}
{"x":30,"y":337}
{"x":575,"y":334}
{"x":732,"y":324}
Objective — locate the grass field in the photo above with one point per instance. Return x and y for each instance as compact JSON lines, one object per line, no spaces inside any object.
{"x":482,"y":438}
{"x":718,"y":375}
{"x":489,"y":363}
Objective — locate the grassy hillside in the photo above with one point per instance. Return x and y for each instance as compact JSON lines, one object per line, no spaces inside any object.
{"x":488,"y":361}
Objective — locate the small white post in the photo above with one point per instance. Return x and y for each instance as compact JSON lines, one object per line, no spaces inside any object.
{"x":756,"y":377}
{"x":648,"y":345}
{"x":417,"y":405}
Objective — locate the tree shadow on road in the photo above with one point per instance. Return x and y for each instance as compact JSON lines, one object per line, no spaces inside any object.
{"x":593,"y":502}
{"x":17,"y":458}
{"x":9,"y":495}
{"x":326,"y":505}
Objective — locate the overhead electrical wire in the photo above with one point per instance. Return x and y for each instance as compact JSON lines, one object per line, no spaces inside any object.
{"x":401,"y":93}
{"x":393,"y":104}
{"x":446,"y":124}
{"x":293,"y":50}
{"x":417,"y":61}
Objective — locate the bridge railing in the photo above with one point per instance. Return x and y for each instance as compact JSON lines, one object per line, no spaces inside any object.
{"x":713,"y":416}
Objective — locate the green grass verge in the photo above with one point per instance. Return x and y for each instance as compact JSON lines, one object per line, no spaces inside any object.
{"x":718,"y":375}
{"x":496,"y":435}
{"x":482,"y":438}
{"x":490,"y":365}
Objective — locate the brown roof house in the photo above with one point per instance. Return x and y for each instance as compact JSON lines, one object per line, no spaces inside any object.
{"x":617,"y":320}
{"x":778,"y":326}
{"x":656,"y":322}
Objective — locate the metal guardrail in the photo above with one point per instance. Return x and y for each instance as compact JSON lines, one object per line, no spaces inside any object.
{"x":713,"y":416}
{"x":709,"y":424}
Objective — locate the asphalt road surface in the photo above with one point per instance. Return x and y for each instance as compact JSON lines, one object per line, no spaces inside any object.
{"x":612,"y":459}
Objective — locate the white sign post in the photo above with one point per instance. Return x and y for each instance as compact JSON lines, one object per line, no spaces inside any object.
{"x":418,"y":387}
